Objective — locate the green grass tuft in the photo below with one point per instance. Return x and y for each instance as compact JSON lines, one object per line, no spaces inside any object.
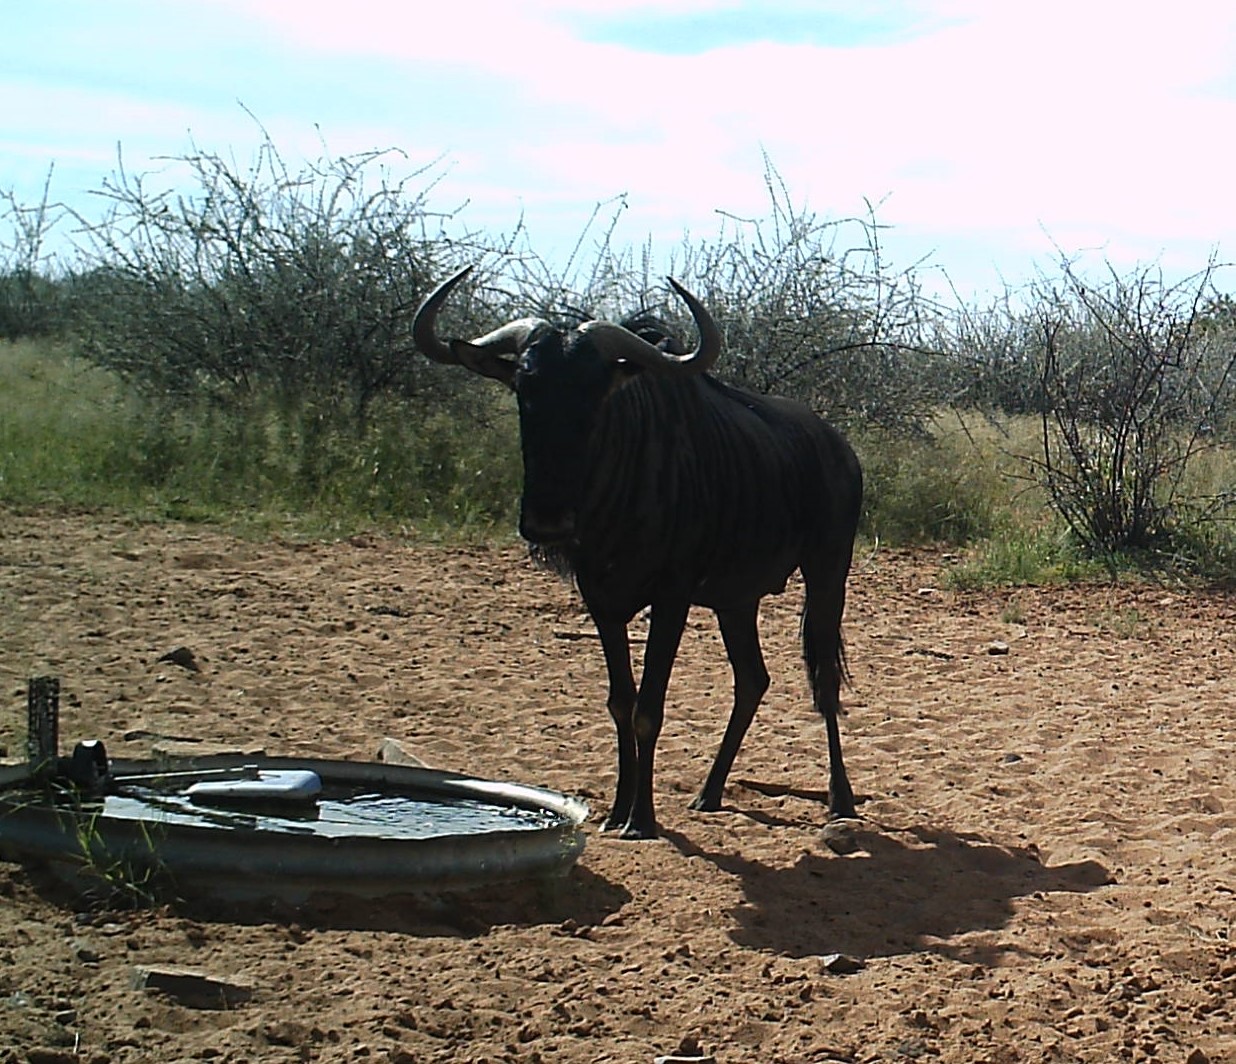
{"x":1022,"y":558}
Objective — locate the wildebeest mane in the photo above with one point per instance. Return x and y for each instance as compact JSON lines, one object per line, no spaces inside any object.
{"x":556,"y":558}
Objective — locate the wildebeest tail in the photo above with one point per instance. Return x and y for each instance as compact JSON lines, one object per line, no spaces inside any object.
{"x":824,"y":655}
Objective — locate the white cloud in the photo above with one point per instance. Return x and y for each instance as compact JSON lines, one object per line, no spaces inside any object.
{"x":990,"y":127}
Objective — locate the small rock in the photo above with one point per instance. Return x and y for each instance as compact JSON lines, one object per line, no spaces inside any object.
{"x":688,"y":1052}
{"x":85,"y":953}
{"x":930,"y":652}
{"x":675,"y":1058}
{"x":285,"y":1033}
{"x":392,"y":752}
{"x":182,"y":656}
{"x":689,"y":1046}
{"x":838,"y":836}
{"x":1197,"y":1057}
{"x":193,"y":989}
{"x":841,"y":964}
{"x":997,"y":647}
{"x":47,"y":1055}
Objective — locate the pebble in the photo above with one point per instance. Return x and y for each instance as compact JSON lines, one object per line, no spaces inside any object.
{"x":841,"y":964}
{"x":86,"y":953}
{"x":839,"y":837}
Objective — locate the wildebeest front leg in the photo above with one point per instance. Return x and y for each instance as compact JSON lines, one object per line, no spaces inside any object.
{"x":621,"y":705}
{"x":664,"y":635}
{"x":742,"y":643}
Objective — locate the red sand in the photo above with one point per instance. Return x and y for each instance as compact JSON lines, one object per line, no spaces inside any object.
{"x":1047,"y":853}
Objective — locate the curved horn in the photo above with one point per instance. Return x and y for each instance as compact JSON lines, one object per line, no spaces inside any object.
{"x":509,"y":339}
{"x":482,"y":355}
{"x":618,"y":343}
{"x":423,"y":333}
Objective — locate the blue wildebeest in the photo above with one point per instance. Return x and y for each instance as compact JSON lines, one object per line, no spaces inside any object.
{"x":659,"y":486}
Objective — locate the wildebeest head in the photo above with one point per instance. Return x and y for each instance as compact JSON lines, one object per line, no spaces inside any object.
{"x":561,"y":381}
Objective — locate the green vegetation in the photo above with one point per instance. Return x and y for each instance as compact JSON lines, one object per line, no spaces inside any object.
{"x":953,"y":483}
{"x":61,"y":424}
{"x":135,"y":878}
{"x":242,"y":354}
{"x":1017,"y":557}
{"x":72,"y":434}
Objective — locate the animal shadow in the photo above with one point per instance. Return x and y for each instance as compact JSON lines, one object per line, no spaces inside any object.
{"x":906,"y":892}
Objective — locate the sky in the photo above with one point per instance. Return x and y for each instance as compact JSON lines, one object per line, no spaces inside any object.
{"x":992,"y":136}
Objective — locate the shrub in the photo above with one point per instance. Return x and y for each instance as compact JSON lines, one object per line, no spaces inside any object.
{"x":301,"y":285}
{"x":1132,"y":387}
{"x":30,"y":301}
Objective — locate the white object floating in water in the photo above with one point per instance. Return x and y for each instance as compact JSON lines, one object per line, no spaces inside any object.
{"x":281,"y":785}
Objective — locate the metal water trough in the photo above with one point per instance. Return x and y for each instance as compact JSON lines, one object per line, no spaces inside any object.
{"x":249,"y":862}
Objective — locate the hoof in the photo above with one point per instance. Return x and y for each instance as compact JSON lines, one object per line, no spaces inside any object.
{"x":701,"y":804}
{"x":637,"y":832}
{"x":842,"y":809}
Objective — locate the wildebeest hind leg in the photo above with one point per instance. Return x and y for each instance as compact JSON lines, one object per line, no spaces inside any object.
{"x":825,"y":660}
{"x":739,"y":630}
{"x":621,"y":705}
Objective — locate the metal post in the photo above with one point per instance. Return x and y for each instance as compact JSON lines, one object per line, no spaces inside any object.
{"x":43,"y":721}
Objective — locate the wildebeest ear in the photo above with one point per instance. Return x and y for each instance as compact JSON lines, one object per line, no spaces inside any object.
{"x":484,"y":362}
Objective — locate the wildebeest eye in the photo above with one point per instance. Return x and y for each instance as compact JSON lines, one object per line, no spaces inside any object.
{"x":536,"y":356}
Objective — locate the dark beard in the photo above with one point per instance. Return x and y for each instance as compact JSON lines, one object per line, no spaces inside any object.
{"x":558,"y":558}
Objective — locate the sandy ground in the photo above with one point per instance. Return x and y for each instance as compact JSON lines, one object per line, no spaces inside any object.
{"x":1046,"y":862}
